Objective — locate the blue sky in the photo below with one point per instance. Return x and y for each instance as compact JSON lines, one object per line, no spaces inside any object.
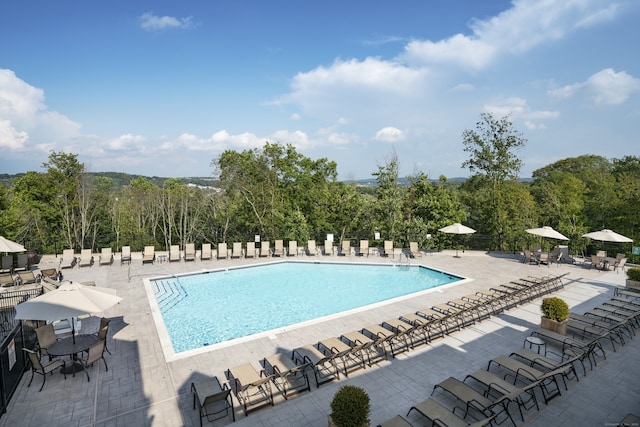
{"x":163,"y":87}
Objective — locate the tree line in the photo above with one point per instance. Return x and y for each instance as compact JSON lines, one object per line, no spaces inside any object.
{"x":278,"y":193}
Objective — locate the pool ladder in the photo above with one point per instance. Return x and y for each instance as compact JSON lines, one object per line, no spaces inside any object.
{"x":407,"y":258}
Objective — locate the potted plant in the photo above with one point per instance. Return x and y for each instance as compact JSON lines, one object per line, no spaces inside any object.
{"x":350,"y":408}
{"x":633,"y":278}
{"x":555,"y":313}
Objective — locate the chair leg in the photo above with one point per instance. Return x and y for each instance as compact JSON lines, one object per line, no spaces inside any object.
{"x":44,"y":379}
{"x":32,"y":373}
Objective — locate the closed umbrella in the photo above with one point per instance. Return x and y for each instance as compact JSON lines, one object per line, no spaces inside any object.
{"x":7,"y":245}
{"x":457,"y":228}
{"x":68,"y":301}
{"x":608,"y":236}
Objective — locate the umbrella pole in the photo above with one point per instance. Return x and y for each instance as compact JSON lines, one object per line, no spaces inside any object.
{"x":73,"y":329}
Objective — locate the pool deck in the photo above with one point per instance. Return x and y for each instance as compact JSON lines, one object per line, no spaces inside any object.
{"x":143,"y":388}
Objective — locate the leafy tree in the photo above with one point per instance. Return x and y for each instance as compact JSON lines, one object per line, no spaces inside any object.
{"x":389,"y":202}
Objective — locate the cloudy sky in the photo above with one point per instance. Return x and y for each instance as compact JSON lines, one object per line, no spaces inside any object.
{"x":163,"y":87}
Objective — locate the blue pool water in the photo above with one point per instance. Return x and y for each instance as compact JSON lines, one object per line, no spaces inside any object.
{"x":212,"y":307}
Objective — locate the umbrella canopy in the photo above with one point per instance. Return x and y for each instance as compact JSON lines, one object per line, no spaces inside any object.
{"x":608,"y":236}
{"x":69,"y":300}
{"x":457,"y":228}
{"x":7,"y":245}
{"x":547,"y":231}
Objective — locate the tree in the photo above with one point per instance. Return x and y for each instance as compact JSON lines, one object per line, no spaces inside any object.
{"x":389,"y":199}
{"x":494,"y":162}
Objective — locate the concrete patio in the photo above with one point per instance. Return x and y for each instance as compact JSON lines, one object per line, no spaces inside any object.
{"x":143,"y":388}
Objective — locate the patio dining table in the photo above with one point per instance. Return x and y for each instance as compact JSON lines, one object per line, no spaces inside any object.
{"x":70,"y":347}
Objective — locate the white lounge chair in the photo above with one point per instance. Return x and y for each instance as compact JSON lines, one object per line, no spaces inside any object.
{"x":68,"y":259}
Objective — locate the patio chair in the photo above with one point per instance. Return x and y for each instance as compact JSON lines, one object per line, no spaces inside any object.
{"x":46,"y":336}
{"x":22,"y":262}
{"x":125,"y":255}
{"x":596,"y":262}
{"x":312,"y":250}
{"x":278,"y":249}
{"x":212,"y":399}
{"x":363,"y":249}
{"x":222,"y":251}
{"x":103,"y":332}
{"x":619,"y":264}
{"x":528,"y":257}
{"x":327,"y":249}
{"x":388,"y":248}
{"x":250,"y":252}
{"x":148,"y":255}
{"x":8,"y":279}
{"x":7,"y":264}
{"x":27,"y":277}
{"x":94,"y":354}
{"x":345,"y":248}
{"x":265,"y":250}
{"x":38,"y":367}
{"x":293,"y":248}
{"x":86,"y":258}
{"x":250,"y":387}
{"x":414,"y":250}
{"x":439,"y":414}
{"x":236,"y":252}
{"x":68,"y":259}
{"x":205,"y":252}
{"x":324,"y":365}
{"x":106,"y":257}
{"x":189,"y":252}
{"x":287,"y":376}
{"x":174,"y":253}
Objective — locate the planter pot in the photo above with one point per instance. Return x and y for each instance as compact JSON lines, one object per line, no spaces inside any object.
{"x":633,"y":284}
{"x":331,"y":423}
{"x":553,"y":325}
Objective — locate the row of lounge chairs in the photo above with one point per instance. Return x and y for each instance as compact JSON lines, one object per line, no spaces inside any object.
{"x":20,"y":278}
{"x":333,"y":357}
{"x":522,"y":377}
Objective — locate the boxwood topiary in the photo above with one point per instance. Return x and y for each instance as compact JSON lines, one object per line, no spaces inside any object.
{"x":633,"y":274}
{"x":350,"y":407}
{"x":555,"y":308}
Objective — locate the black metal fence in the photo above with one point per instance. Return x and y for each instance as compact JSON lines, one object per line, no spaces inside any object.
{"x":15,"y":335}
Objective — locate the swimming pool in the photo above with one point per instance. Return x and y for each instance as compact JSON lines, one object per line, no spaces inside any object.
{"x":203,"y":309}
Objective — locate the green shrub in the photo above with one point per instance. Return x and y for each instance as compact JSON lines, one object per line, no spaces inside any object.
{"x":633,"y":274}
{"x":555,"y":308}
{"x":350,"y":407}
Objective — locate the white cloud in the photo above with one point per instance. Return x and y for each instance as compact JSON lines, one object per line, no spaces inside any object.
{"x":11,"y":138}
{"x":605,"y":87}
{"x":125,"y":142}
{"x":151,"y":22}
{"x":518,"y":109}
{"x":389,"y":134}
{"x":295,"y":116}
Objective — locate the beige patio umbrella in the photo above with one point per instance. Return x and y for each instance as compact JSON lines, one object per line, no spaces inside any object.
{"x":457,"y":228}
{"x":607,"y":235}
{"x":8,"y":246}
{"x":547,"y":231}
{"x":68,"y":301}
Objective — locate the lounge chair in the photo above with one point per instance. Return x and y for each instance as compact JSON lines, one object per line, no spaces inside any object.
{"x":265,"y":250}
{"x":7,"y":264}
{"x":212,"y":399}
{"x":50,"y":273}
{"x":293,"y":248}
{"x":174,"y":253}
{"x":148,"y":255}
{"x":68,"y":259}
{"x":363,"y":249}
{"x":205,"y":252}
{"x":106,"y":257}
{"x":86,"y":258}
{"x":324,"y":365}
{"x":27,"y":277}
{"x":384,"y":336}
{"x":125,"y":255}
{"x":250,"y":387}
{"x":189,"y":252}
{"x":236,"y":252}
{"x":22,"y":262}
{"x":312,"y":250}
{"x":345,"y":248}
{"x":439,"y":414}
{"x":250,"y":252}
{"x":471,"y":398}
{"x":368,"y":346}
{"x":327,"y":249}
{"x":288,"y":377}
{"x":8,"y":279}
{"x":278,"y":249}
{"x":525,"y":373}
{"x":350,"y":357}
{"x":414,"y":251}
{"x":388,"y":248}
{"x":44,"y":370}
{"x":222,"y":251}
